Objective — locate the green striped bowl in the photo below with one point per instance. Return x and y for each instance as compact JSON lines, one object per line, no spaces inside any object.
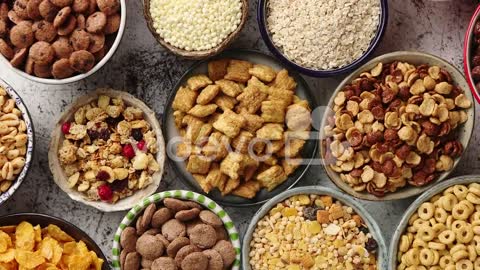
{"x":183,"y":195}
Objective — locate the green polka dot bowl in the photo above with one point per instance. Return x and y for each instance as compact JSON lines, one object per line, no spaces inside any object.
{"x":207,"y":203}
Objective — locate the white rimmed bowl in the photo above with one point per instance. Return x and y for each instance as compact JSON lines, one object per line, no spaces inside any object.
{"x":97,"y":67}
{"x":464,"y":132}
{"x":342,"y":197}
{"x":30,"y":141}
{"x":57,"y":138}
{"x":206,"y":202}
{"x":402,"y":226}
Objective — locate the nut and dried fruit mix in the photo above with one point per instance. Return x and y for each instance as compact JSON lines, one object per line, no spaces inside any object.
{"x":195,"y":25}
{"x":109,"y":150}
{"x":57,"y":38}
{"x":321,"y":34}
{"x":242,"y":125}
{"x":13,"y":141}
{"x":476,"y":55}
{"x":312,"y":232}
{"x":444,"y":233}
{"x":176,"y":234}
{"x":25,"y":246}
{"x":395,"y":125}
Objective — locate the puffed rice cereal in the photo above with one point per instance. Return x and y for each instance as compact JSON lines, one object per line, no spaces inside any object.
{"x":444,"y":233}
{"x":395,"y":125}
{"x":109,"y":150}
{"x":13,"y":141}
{"x":312,"y":232}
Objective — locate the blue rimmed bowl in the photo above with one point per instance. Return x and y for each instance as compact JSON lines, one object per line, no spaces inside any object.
{"x":30,"y":141}
{"x":206,"y":202}
{"x":382,"y":252}
{"x":262,"y":23}
{"x":425,"y":197}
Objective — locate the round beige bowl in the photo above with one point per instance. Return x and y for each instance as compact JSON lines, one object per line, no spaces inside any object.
{"x":195,"y":55}
{"x":464,"y":132}
{"x":57,"y":138}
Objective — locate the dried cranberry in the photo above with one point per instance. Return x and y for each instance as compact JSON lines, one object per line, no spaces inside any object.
{"x":141,"y":144}
{"x":310,"y":213}
{"x":105,"y":192}
{"x":103,"y":176}
{"x":128,"y":151}
{"x":66,"y":127}
{"x":371,"y":245}
{"x":137,"y":134}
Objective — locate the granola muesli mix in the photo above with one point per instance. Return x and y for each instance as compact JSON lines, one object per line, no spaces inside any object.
{"x":109,"y":150}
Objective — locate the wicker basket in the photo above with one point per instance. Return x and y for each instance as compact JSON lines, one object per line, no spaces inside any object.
{"x":195,"y":54}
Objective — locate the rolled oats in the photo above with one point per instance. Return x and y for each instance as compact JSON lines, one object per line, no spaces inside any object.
{"x":337,"y":37}
{"x":13,"y":141}
{"x":404,"y":117}
{"x":108,"y":151}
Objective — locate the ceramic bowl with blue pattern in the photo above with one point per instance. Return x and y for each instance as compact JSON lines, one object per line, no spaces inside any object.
{"x":207,"y":203}
{"x":30,"y":141}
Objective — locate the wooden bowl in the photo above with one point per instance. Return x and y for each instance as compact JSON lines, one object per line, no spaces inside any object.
{"x":195,"y":55}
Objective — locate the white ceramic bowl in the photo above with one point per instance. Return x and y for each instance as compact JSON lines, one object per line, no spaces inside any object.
{"x":206,"y":202}
{"x":464,"y":131}
{"x":427,"y":196}
{"x":57,"y":139}
{"x":97,"y":67}
{"x":342,"y":197}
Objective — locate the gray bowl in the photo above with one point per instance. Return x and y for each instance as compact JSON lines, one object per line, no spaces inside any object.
{"x":342,"y":197}
{"x":464,"y":132}
{"x":461,"y":180}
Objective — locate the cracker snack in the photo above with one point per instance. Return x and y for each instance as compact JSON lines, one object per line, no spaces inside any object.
{"x":242,"y":125}
{"x":31,"y":247}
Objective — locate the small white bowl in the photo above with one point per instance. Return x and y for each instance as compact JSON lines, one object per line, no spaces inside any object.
{"x":57,"y":139}
{"x":97,"y":67}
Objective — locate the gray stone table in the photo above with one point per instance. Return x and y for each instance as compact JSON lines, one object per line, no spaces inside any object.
{"x":145,"y":69}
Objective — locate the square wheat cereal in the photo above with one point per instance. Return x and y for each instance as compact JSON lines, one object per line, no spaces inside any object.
{"x":255,"y":82}
{"x":225,"y":102}
{"x":272,"y":177}
{"x":232,"y":165}
{"x":273,"y":111}
{"x":215,"y":177}
{"x":202,"y":110}
{"x":229,"y":88}
{"x":208,"y":94}
{"x":184,"y":99}
{"x":283,"y":80}
{"x":229,"y":123}
{"x":203,"y":134}
{"x":263,"y":72}
{"x":231,"y":185}
{"x":270,"y":132}
{"x":290,"y":165}
{"x":177,"y":118}
{"x":217,"y":146}
{"x":198,"y":82}
{"x":247,"y":190}
{"x":202,"y":182}
{"x":217,"y":69}
{"x":242,"y":141}
{"x":281,"y":94}
{"x":250,"y":100}
{"x":198,"y":164}
{"x":237,"y":71}
{"x":252,"y":122}
{"x":292,"y":148}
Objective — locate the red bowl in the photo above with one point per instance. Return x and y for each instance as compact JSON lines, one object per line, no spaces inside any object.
{"x":467,"y":54}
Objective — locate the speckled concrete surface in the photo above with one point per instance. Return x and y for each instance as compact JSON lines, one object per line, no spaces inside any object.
{"x":144,"y":69}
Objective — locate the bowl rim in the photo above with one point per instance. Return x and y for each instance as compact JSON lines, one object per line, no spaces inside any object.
{"x":311,"y":101}
{"x":205,"y":201}
{"x":57,"y":136}
{"x":30,"y":145}
{"x":262,"y":25}
{"x":398,"y":194}
{"x":426,"y":196}
{"x":97,"y":67}
{"x":337,"y":195}
{"x":196,"y":55}
{"x":28,"y":215}
{"x":467,"y":49}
